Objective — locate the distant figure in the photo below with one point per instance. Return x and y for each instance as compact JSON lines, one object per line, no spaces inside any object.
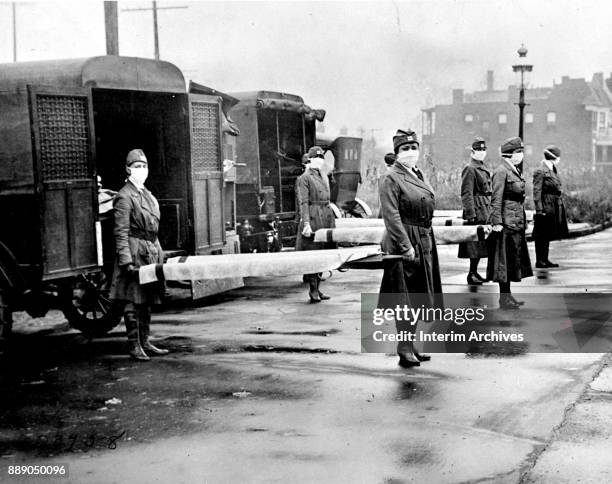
{"x":508,"y":255}
{"x":407,"y":204}
{"x":476,"y":201}
{"x":136,"y":226}
{"x":550,"y":221}
{"x":313,"y":204}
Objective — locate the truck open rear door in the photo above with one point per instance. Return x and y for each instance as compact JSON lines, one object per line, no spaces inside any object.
{"x":63,"y":153}
{"x":206,"y":172}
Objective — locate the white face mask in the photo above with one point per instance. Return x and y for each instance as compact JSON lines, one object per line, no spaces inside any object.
{"x":479,"y":155}
{"x":408,"y":158}
{"x":517,"y":158}
{"x":139,"y":175}
{"x":316,"y":163}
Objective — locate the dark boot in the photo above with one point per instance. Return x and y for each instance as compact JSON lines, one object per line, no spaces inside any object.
{"x":313,"y":292}
{"x":407,"y":356}
{"x":322,"y":296}
{"x":548,"y":263}
{"x":506,"y":301}
{"x":520,"y":303}
{"x":422,"y":356}
{"x":131,"y":325}
{"x":540,"y":249}
{"x":473,"y":279}
{"x":144,"y":331}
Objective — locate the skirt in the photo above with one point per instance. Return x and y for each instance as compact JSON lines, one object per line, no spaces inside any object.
{"x":473,"y":250}
{"x":508,"y":256}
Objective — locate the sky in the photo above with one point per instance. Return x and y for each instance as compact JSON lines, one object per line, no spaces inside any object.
{"x":373,"y":65}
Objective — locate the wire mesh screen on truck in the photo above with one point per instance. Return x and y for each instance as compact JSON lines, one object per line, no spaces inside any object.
{"x":64,"y":137}
{"x":205,"y":150}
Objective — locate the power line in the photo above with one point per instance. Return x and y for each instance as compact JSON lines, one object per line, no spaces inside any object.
{"x":154,"y":8}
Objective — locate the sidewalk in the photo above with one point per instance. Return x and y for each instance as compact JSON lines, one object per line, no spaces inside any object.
{"x":580,"y":447}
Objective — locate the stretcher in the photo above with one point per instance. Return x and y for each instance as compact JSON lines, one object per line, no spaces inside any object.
{"x":273,"y":264}
{"x":374,"y":234}
{"x":345,"y":223}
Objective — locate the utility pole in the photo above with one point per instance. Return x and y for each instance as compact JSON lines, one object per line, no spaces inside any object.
{"x":14,"y":7}
{"x":154,"y":8}
{"x":111,"y":24}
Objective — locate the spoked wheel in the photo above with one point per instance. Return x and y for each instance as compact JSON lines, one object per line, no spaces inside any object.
{"x":87,"y":307}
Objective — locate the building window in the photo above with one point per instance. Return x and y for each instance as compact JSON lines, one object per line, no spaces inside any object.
{"x":551,"y":118}
{"x":502,"y":118}
{"x":468,"y":118}
{"x":528,"y":150}
{"x":429,"y":122}
{"x":602,"y":119}
{"x":529,"y":118}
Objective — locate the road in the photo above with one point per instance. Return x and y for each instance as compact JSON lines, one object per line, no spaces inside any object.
{"x":263,"y":387}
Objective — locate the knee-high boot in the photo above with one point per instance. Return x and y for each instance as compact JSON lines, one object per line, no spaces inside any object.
{"x":313,"y":288}
{"x":132,"y":326}
{"x":323,"y":297}
{"x":144,"y":331}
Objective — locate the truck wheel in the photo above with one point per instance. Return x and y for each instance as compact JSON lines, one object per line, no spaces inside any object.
{"x":87,"y":307}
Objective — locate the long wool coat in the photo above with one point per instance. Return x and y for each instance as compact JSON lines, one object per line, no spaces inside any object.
{"x":407,"y":206}
{"x":547,"y":190}
{"x":137,"y":218}
{"x":476,"y":201}
{"x":313,"y":199}
{"x":508,"y":255}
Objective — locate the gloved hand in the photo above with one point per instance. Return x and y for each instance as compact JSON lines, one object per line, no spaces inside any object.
{"x":472,"y":221}
{"x":498,"y":228}
{"x":131,"y":270}
{"x":409,"y":254}
{"x":307,"y":231}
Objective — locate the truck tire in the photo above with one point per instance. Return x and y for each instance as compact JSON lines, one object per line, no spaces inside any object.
{"x":87,"y":307}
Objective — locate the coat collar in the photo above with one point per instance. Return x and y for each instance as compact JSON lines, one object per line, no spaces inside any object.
{"x":403,"y":172}
{"x":479,"y":165}
{"x":145,"y":198}
{"x":511,"y":168}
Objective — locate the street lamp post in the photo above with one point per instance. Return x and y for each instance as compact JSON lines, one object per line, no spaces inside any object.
{"x":522,"y":68}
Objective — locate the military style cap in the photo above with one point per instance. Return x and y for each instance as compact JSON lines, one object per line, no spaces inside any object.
{"x":134,"y":156}
{"x":511,"y":144}
{"x":479,"y":143}
{"x":316,"y":151}
{"x":390,"y":159}
{"x":553,"y":150}
{"x":404,"y":137}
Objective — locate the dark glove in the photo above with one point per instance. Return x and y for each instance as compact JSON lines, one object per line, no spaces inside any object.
{"x":131,"y":270}
{"x":472,"y":221}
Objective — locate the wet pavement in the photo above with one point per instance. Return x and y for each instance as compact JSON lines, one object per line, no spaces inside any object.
{"x":263,"y":387}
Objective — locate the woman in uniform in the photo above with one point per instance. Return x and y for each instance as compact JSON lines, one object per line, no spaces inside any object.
{"x":508,"y":255}
{"x":549,"y":222}
{"x":136,"y":225}
{"x":407,"y":204}
{"x":476,"y":201}
{"x":313,"y":199}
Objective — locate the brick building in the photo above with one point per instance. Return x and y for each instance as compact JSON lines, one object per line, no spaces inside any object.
{"x":574,"y":110}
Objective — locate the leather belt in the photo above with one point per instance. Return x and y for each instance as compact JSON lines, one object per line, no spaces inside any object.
{"x":142,"y":235}
{"x":515,"y":197}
